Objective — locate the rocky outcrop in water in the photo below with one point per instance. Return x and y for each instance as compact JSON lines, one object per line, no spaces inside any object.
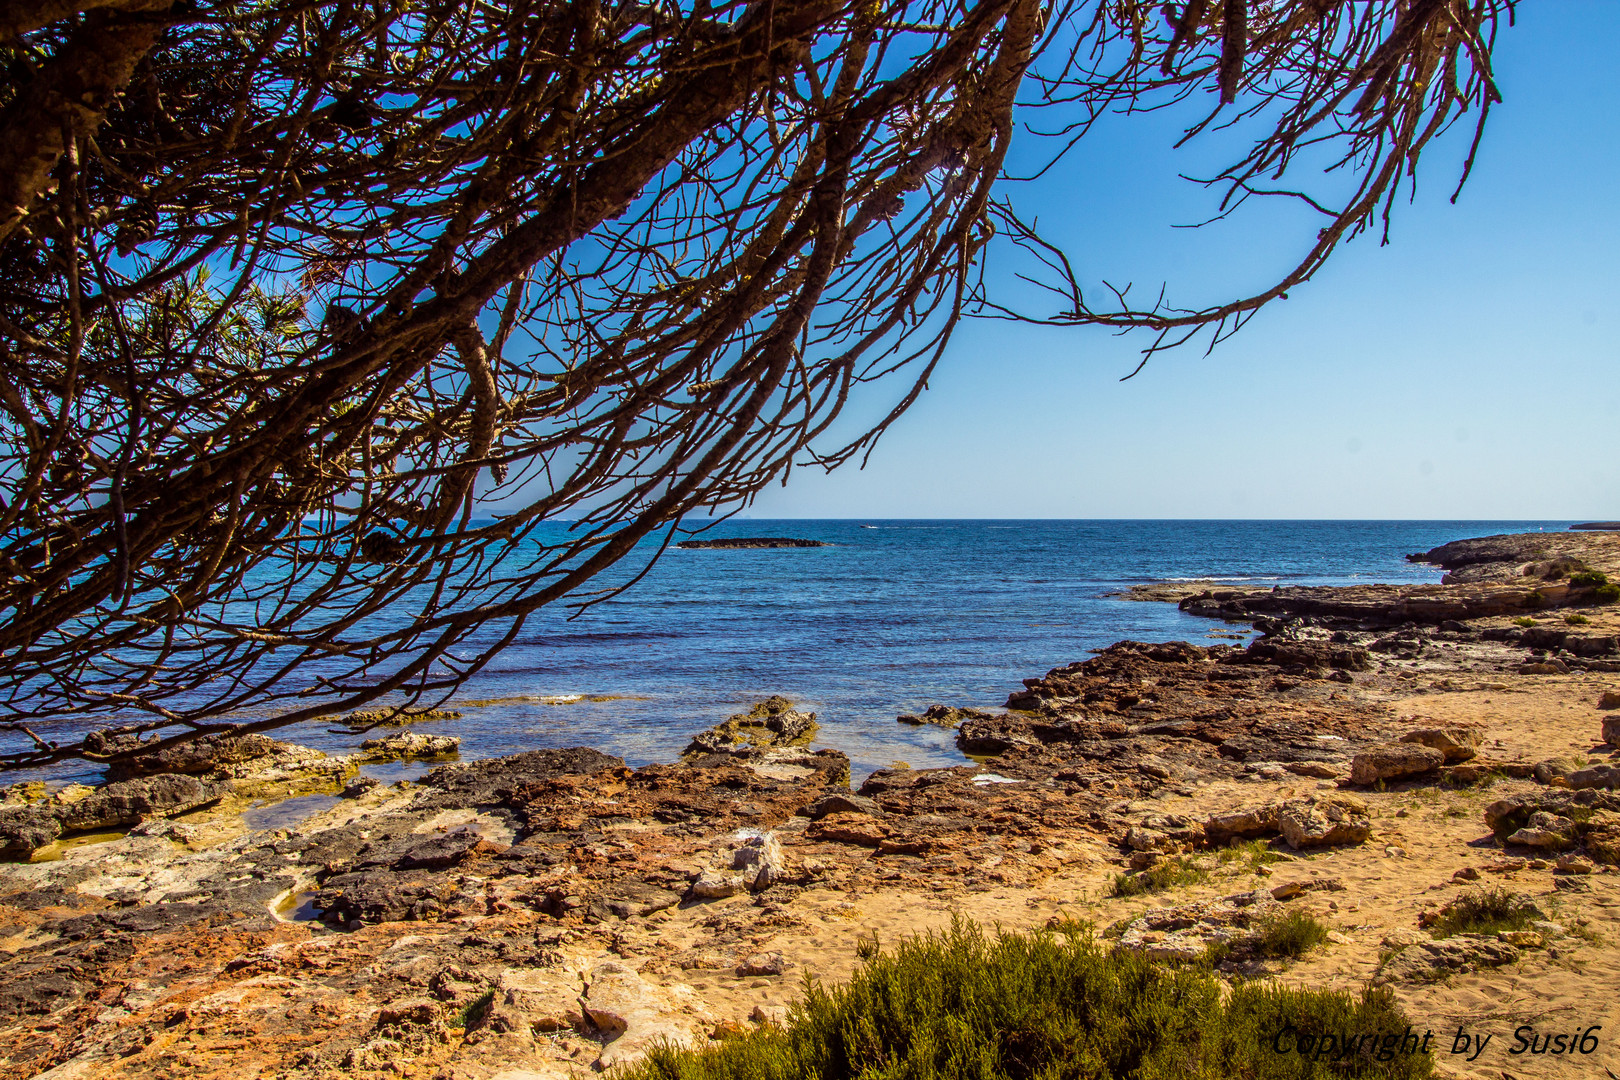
{"x":26,"y":828}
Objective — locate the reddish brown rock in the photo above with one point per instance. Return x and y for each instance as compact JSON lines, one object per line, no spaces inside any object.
{"x":1456,"y":742}
{"x":1393,"y":761}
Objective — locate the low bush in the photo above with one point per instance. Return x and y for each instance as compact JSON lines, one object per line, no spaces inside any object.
{"x":1290,"y":935}
{"x":1606,"y":594}
{"x":1576,"y":620}
{"x":1534,"y":601}
{"x":1256,"y":853}
{"x":1043,"y":1006}
{"x":1587,"y":579}
{"x":1524,"y":621}
{"x":1485,"y":911}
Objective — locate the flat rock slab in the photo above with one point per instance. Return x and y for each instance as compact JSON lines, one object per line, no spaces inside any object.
{"x":1430,"y":960}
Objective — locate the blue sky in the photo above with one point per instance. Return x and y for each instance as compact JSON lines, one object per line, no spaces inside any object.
{"x":1468,"y":370}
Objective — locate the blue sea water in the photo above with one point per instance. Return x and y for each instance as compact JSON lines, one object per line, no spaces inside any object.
{"x":894,"y":616}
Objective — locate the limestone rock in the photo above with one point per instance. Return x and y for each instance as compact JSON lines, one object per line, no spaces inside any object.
{"x":1322,"y":770}
{"x":1430,"y":960}
{"x":496,"y":780}
{"x":1545,"y":830}
{"x":26,"y":829}
{"x":359,"y":786}
{"x":640,"y":1015}
{"x":1606,"y":777}
{"x":1394,"y":760}
{"x":550,"y":1002}
{"x":1244,"y":824}
{"x":1554,"y":770}
{"x":393,"y":896}
{"x":202,"y":755}
{"x":128,"y":802}
{"x":637,"y":899}
{"x":1140,"y":839}
{"x":1187,"y":931}
{"x":409,"y":746}
{"x":772,"y":1015}
{"x":760,"y":860}
{"x":712,"y":885}
{"x":1141,"y":860}
{"x":1572,"y":863}
{"x":615,"y":996}
{"x":1457,"y":742}
{"x":943,"y":716}
{"x":765,"y":963}
{"x":839,"y":802}
{"x":1611,"y":728}
{"x":771,"y":723}
{"x":847,"y":828}
{"x":1324,"y":821}
{"x":1609,"y":699}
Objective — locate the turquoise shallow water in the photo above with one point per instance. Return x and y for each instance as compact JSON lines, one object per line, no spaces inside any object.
{"x":894,"y":616}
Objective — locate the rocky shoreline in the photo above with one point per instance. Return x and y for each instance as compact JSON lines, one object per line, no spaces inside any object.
{"x":557,"y":912}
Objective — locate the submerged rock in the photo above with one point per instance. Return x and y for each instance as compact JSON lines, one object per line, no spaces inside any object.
{"x":943,"y":716}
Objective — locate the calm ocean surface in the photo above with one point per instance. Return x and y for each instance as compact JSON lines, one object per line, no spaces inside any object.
{"x":894,"y":617}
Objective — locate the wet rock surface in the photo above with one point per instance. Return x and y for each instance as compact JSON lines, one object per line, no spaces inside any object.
{"x":409,"y":746}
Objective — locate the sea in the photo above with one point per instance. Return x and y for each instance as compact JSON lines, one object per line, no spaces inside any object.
{"x":889,"y":618}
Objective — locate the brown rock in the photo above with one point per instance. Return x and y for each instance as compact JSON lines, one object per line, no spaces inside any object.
{"x":130,"y":801}
{"x":1324,"y":822}
{"x":1456,"y":742}
{"x":1606,"y":777}
{"x":1609,"y":699}
{"x":848,"y":828}
{"x":1243,"y":824}
{"x":1394,"y":760}
{"x":765,"y":963}
{"x":409,"y":746}
{"x":1611,"y":731}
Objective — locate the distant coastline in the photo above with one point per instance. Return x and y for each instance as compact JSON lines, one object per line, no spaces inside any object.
{"x":754,"y":542}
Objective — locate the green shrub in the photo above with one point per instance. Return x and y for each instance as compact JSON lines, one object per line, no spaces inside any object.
{"x":1256,"y":853}
{"x":1041,"y":1006}
{"x":1587,"y":579}
{"x":474,"y":1010}
{"x":1576,"y":620}
{"x":1525,"y":621}
{"x":1534,"y":601}
{"x":1606,"y":594}
{"x":1486,"y":911}
{"x":1293,"y":934}
{"x":1162,"y":875}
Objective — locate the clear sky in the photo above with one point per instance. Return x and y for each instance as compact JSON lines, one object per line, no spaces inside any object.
{"x":1470,"y":369}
